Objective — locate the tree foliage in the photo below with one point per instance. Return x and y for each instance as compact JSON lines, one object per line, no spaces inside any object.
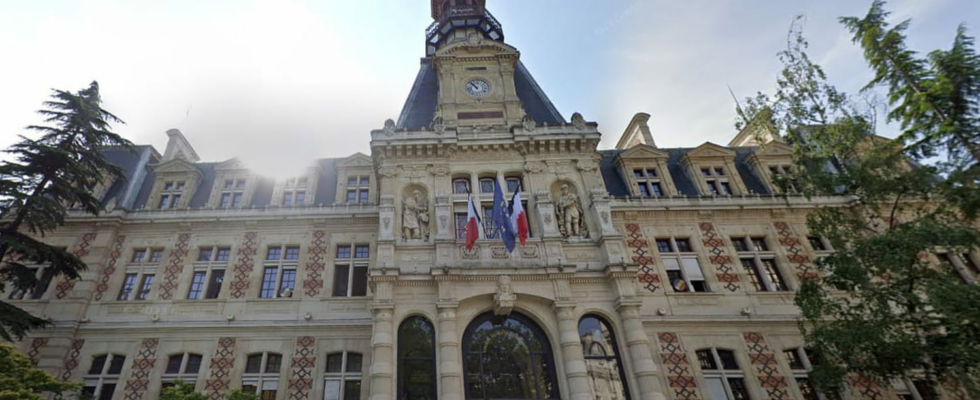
{"x":49,"y":175}
{"x":181,"y":391}
{"x":238,"y":394}
{"x":880,"y":306}
{"x":21,"y":381}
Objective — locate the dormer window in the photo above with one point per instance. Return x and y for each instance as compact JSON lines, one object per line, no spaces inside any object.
{"x":648,"y":182}
{"x":232,"y":193}
{"x":717,"y":180}
{"x":779,"y":175}
{"x":358,"y":189}
{"x":294,"y":192}
{"x":171,"y":194}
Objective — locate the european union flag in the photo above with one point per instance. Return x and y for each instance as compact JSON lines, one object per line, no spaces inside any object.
{"x":501,"y":218}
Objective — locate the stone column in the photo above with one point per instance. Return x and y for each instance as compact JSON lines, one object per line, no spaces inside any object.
{"x":571,"y":348}
{"x":638,"y":343}
{"x":450,"y":369}
{"x":382,"y":360}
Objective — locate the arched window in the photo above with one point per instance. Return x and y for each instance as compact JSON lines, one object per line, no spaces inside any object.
{"x":416,"y":360}
{"x":486,"y":185}
{"x":725,"y":379}
{"x":461,"y":185}
{"x":508,"y":358}
{"x":262,"y":375}
{"x":103,"y":376}
{"x":343,"y":376}
{"x":606,"y":375}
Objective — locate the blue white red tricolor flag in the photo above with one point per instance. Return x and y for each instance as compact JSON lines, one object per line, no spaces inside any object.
{"x":518,"y":218}
{"x":473,"y":225}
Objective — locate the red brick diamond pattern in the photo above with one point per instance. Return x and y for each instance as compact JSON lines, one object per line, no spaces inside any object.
{"x":719,"y":256}
{"x":81,"y":250}
{"x":110,"y":267}
{"x":795,"y":251}
{"x":682,"y":382}
{"x":243,"y":266}
{"x":141,"y":369}
{"x":304,"y":362}
{"x":175,"y":264}
{"x":71,"y":359}
{"x":219,"y":379}
{"x":316,"y":264}
{"x":638,"y":243}
{"x":35,"y":352}
{"x":766,"y":365}
{"x":866,"y":389}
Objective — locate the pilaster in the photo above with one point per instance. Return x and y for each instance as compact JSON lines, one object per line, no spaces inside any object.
{"x":644,"y":367}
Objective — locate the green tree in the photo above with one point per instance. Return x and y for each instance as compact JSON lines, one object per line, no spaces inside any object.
{"x":181,"y":391}
{"x":880,"y":308}
{"x":49,"y":175}
{"x":238,"y":394}
{"x":21,"y":381}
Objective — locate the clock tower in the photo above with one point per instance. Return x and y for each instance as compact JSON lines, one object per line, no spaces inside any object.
{"x":470,"y":77}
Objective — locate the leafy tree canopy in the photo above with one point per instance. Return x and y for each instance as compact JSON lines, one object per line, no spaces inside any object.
{"x":19,"y":380}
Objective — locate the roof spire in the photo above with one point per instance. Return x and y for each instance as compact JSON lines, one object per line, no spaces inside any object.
{"x":442,"y":9}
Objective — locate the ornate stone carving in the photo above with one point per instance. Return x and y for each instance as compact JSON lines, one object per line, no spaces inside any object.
{"x":529,"y":251}
{"x":568,"y":209}
{"x":498,"y":252}
{"x":388,"y":172}
{"x":389,"y":128}
{"x":439,"y":171}
{"x":437,"y":125}
{"x":415,"y":217}
{"x":578,"y":121}
{"x":535,"y":167}
{"x":587,"y":165}
{"x":528,"y":123}
{"x":443,"y":220}
{"x":470,"y":254}
{"x":503,"y":300}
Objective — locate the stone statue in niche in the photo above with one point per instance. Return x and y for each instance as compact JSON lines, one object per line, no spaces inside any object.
{"x":415,"y":218}
{"x":568,"y":209}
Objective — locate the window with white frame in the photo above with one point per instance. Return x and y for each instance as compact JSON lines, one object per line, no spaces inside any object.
{"x":682,"y":265}
{"x":725,"y":380}
{"x":915,"y":389}
{"x":461,"y":185}
{"x":717,"y":180}
{"x":183,"y":367}
{"x":294,"y":191}
{"x":43,"y":276}
{"x":780,"y":175}
{"x":209,"y":272}
{"x":350,"y":270}
{"x":103,"y":376}
{"x":760,"y":262}
{"x":262,"y":375}
{"x":279,"y":272}
{"x":358,"y":189}
{"x":648,"y":182}
{"x":171,"y":194}
{"x":343,"y":376}
{"x":140,"y":272}
{"x":232,"y":193}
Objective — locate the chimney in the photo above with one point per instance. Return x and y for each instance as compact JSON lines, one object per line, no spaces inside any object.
{"x":179,"y":147}
{"x":636,"y":133}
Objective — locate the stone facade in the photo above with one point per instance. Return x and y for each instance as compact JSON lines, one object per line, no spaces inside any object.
{"x":299,"y":288}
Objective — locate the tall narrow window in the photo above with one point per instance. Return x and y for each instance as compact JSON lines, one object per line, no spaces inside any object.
{"x":682,"y":265}
{"x":721,"y":372}
{"x":358,"y":189}
{"x":350,"y":270}
{"x":648,"y":182}
{"x":416,"y":360}
{"x":103,"y":376}
{"x":343,"y":376}
{"x":760,"y":262}
{"x":171,"y":194}
{"x":232,"y":193}
{"x":209,"y":272}
{"x":717,"y":181}
{"x":183,"y":367}
{"x":279,"y":272}
{"x":294,"y":192}
{"x":507,"y":358}
{"x":607,"y":379}
{"x":43,"y":275}
{"x":140,"y":273}
{"x":262,"y":375}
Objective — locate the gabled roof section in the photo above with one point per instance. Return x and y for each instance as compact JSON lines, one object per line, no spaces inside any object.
{"x":356,"y":160}
{"x":230,"y":165}
{"x":776,"y":148}
{"x":709,"y":149}
{"x":643,"y":151}
{"x":177,"y":165}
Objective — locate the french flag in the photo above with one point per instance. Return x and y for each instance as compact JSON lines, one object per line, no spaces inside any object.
{"x":473,"y":225}
{"x":518,"y":218}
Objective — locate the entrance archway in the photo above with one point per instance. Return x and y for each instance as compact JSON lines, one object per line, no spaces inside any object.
{"x":508,"y":358}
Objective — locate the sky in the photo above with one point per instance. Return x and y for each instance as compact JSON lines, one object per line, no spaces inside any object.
{"x":279,"y":83}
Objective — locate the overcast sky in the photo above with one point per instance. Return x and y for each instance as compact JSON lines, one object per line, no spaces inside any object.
{"x":280,"y":83}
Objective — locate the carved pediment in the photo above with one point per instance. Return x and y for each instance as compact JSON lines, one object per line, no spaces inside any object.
{"x":176,"y":166}
{"x":643,"y":151}
{"x":230,"y":165}
{"x":711,"y":150}
{"x":775,"y":149}
{"x":357,"y":160}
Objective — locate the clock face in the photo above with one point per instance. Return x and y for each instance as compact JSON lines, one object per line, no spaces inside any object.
{"x":478,"y":88}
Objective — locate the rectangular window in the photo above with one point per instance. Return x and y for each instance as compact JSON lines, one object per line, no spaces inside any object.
{"x":279,"y":278}
{"x":817,"y":243}
{"x":145,"y":286}
{"x":461,"y":185}
{"x":716,"y":181}
{"x":681,"y":264}
{"x":197,"y":285}
{"x":129,"y":282}
{"x":350,"y":274}
{"x":760,"y":263}
{"x":140,"y":273}
{"x":648,"y":182}
{"x":513,"y":184}
{"x":486,"y":185}
{"x":209,"y":273}
{"x":460,"y":226}
{"x":358,"y":189}
{"x":171,"y":194}
{"x":294,"y":192}
{"x":233,"y":193}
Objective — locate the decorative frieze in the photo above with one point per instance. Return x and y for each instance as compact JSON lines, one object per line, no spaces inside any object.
{"x":110,"y":268}
{"x":316,"y":264}
{"x":303,"y":366}
{"x":175,"y":264}
{"x":243,"y":265}
{"x":764,"y":361}
{"x":640,"y":247}
{"x":795,"y":252}
{"x":34,"y":354}
{"x":678,"y":367}
{"x":719,"y":257}
{"x":71,"y":359}
{"x":219,"y":377}
{"x":142,"y":367}
{"x":81,"y":250}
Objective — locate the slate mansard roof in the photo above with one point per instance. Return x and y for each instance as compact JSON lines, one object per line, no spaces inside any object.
{"x":617,"y":185}
{"x":420,"y":107}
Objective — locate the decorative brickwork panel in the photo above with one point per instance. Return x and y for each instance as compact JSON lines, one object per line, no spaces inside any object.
{"x":678,"y":367}
{"x":304,"y":363}
{"x":765,"y":364}
{"x":81,"y":250}
{"x":640,"y":246}
{"x":142,"y":367}
{"x":110,"y":268}
{"x":795,"y":251}
{"x":35,"y":352}
{"x":865,"y":388}
{"x":71,"y":359}
{"x":316,"y":264}
{"x":175,"y":264}
{"x":719,"y":257}
{"x":243,"y":266}
{"x":219,"y":378}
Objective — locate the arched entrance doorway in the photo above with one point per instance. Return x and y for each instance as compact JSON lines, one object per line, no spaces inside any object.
{"x":508,"y":358}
